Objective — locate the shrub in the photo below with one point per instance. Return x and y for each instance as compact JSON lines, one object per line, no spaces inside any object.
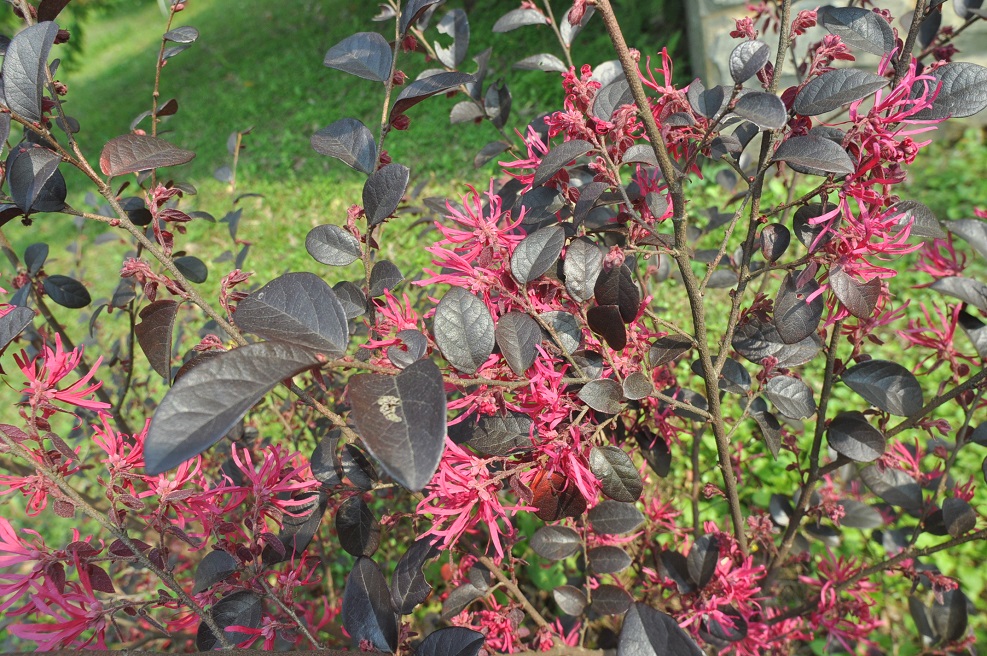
{"x":615,"y":424}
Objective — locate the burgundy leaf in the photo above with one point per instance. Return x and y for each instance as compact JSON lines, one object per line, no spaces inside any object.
{"x":131,"y":153}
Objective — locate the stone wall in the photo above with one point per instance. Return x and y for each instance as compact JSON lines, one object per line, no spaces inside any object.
{"x":710,"y":43}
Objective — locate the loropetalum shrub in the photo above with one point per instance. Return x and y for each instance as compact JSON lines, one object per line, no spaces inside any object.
{"x":602,"y":418}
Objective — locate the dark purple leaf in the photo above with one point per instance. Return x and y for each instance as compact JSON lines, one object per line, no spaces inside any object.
{"x":894,"y":487}
{"x":582,"y":265}
{"x":959,"y":516}
{"x":66,"y":291}
{"x":640,"y":154}
{"x":756,"y":340}
{"x":851,"y":435}
{"x":887,"y":385}
{"x":605,"y":320}
{"x":764,"y":110}
{"x":791,"y":396}
{"x":616,"y":287}
{"x":949,"y":618}
{"x":297,"y":308}
{"x":24,"y":69}
{"x":192,"y":268}
{"x":543,"y":62}
{"x":29,"y":168}
{"x":795,"y":318}
{"x":768,"y":424}
{"x":402,"y":420}
{"x":488,"y":152}
{"x":702,"y":559}
{"x":415,"y":345}
{"x":811,"y":154}
{"x":364,"y":54}
{"x":566,"y":328}
{"x":860,"y":515}
{"x":976,"y":330}
{"x":351,"y":298}
{"x":859,"y":298}
{"x":558,"y":158}
{"x":385,"y":276}
{"x":452,"y":641}
{"x":808,"y":233}
{"x":555,"y":542}
{"x":733,"y":377}
{"x":465,"y":112}
{"x":539,"y":205}
{"x":964,"y":8}
{"x":349,"y":141}
{"x":707,"y":102}
{"x":610,"y":600}
{"x":297,"y":532}
{"x":967,"y":290}
{"x":747,"y":59}
{"x":459,"y":600}
{"x":215,"y":567}
{"x":243,"y":608}
{"x":608,"y":560}
{"x":615,"y":517}
{"x":920,"y":615}
{"x":648,"y":632}
{"x":131,"y":153}
{"x":517,"y":336}
{"x":860,"y":29}
{"x":368,"y":613}
{"x":408,"y":585}
{"x":357,"y":528}
{"x":34,"y":257}
{"x":655,"y":451}
{"x":962,"y":91}
{"x":612,"y":97}
{"x":569,"y":599}
{"x":154,"y":334}
{"x":836,"y":88}
{"x":603,"y":395}
{"x":383,"y":191}
{"x":456,"y":25}
{"x":209,"y":400}
{"x":497,"y":103}
{"x":183,"y":34}
{"x":617,"y":474}
{"x":426,"y":87}
{"x":326,"y":466}
{"x":537,"y":253}
{"x":775,"y":239}
{"x":668,"y":348}
{"x":332,"y":245}
{"x":499,"y":435}
{"x":972,"y":231}
{"x":519,"y":18}
{"x":13,"y":324}
{"x":414,"y":10}
{"x":637,"y":385}
{"x":48,"y":10}
{"x":464,"y":330}
{"x":924,"y":223}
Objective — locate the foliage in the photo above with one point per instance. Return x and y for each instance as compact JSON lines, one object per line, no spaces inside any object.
{"x":592,"y":394}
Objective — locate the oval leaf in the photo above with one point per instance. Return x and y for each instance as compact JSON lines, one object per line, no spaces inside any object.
{"x":154,"y":334}
{"x":859,"y":298}
{"x":24,"y":69}
{"x":368,"y":614}
{"x":215,"y":567}
{"x":747,"y":59}
{"x":795,"y":319}
{"x":364,"y":54}
{"x":555,"y":542}
{"x":131,"y":153}
{"x":858,"y":28}
{"x":537,"y":253}
{"x":603,"y":395}
{"x":764,"y":110}
{"x":962,"y":91}
{"x":648,"y":632}
{"x":464,"y":330}
{"x":426,"y":87}
{"x":615,"y":518}
{"x":582,"y":266}
{"x":297,"y":308}
{"x":618,"y":475}
{"x":349,"y":141}
{"x":836,"y":88}
{"x":452,"y":641}
{"x":887,"y":385}
{"x":383,"y":192}
{"x":558,"y":158}
{"x":67,"y":292}
{"x":357,"y":528}
{"x":851,"y":435}
{"x":332,"y":245}
{"x":517,"y":336}
{"x":791,"y":396}
{"x":814,"y":154}
{"x":209,"y":400}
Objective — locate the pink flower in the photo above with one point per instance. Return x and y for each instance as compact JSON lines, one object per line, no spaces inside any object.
{"x":48,"y":369}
